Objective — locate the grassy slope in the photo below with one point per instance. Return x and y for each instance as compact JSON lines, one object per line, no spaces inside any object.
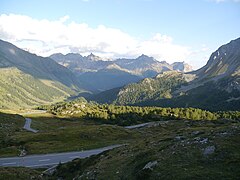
{"x":27,"y":80}
{"x":10,"y":125}
{"x":71,"y":136}
{"x":59,"y":135}
{"x":18,"y":89}
{"x":19,"y":173}
{"x":55,"y":135}
{"x":176,"y":146}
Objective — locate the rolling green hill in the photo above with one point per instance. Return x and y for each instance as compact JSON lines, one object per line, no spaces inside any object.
{"x":27,"y":80}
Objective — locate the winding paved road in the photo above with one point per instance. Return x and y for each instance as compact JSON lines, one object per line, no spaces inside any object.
{"x":27,"y":125}
{"x":48,"y":160}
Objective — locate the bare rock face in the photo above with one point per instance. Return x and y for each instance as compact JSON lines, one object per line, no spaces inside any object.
{"x":23,"y":152}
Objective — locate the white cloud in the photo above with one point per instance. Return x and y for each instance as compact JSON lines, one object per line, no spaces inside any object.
{"x":162,"y":47}
{"x":45,"y":37}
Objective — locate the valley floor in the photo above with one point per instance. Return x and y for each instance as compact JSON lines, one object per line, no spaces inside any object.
{"x":173,"y":149}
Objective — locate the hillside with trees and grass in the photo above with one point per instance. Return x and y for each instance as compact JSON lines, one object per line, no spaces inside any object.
{"x":130,"y":115}
{"x":28,"y":80}
{"x":215,"y":87}
{"x":57,"y":134}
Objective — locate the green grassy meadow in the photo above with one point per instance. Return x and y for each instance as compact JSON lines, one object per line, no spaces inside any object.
{"x":59,"y":135}
{"x":170,"y":150}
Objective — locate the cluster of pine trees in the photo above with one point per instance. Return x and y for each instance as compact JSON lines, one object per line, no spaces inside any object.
{"x":126,"y":115}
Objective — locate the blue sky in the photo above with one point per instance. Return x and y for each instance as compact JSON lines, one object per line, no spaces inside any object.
{"x":172,"y":30}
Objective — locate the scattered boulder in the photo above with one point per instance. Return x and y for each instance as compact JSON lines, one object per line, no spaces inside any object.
{"x":178,"y":137}
{"x":197,"y":139}
{"x":196,"y":132}
{"x":23,"y":152}
{"x":203,"y":141}
{"x":50,"y":171}
{"x":209,"y":150}
{"x":223,"y":134}
{"x":150,"y":165}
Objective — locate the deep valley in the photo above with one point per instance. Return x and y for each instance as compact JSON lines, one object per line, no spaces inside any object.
{"x":73,"y":116}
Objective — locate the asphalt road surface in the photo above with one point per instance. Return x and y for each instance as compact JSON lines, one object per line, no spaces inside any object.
{"x":48,"y":160}
{"x":27,"y":125}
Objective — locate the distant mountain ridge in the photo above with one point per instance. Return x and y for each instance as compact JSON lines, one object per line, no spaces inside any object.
{"x":138,"y":66}
{"x":215,"y":86}
{"x":104,"y":75}
{"x":27,"y":79}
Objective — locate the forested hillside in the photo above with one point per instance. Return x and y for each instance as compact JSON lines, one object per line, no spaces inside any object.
{"x":215,"y":87}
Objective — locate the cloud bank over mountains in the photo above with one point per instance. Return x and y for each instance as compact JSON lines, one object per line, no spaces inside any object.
{"x":45,"y":37}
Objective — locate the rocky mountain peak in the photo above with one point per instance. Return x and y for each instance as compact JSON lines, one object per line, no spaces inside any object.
{"x":143,"y":56}
{"x":146,"y":58}
{"x":93,"y":57}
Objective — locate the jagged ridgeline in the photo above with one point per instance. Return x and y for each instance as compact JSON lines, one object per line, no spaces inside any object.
{"x":216,"y":86}
{"x":27,"y":80}
{"x":99,"y":74}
